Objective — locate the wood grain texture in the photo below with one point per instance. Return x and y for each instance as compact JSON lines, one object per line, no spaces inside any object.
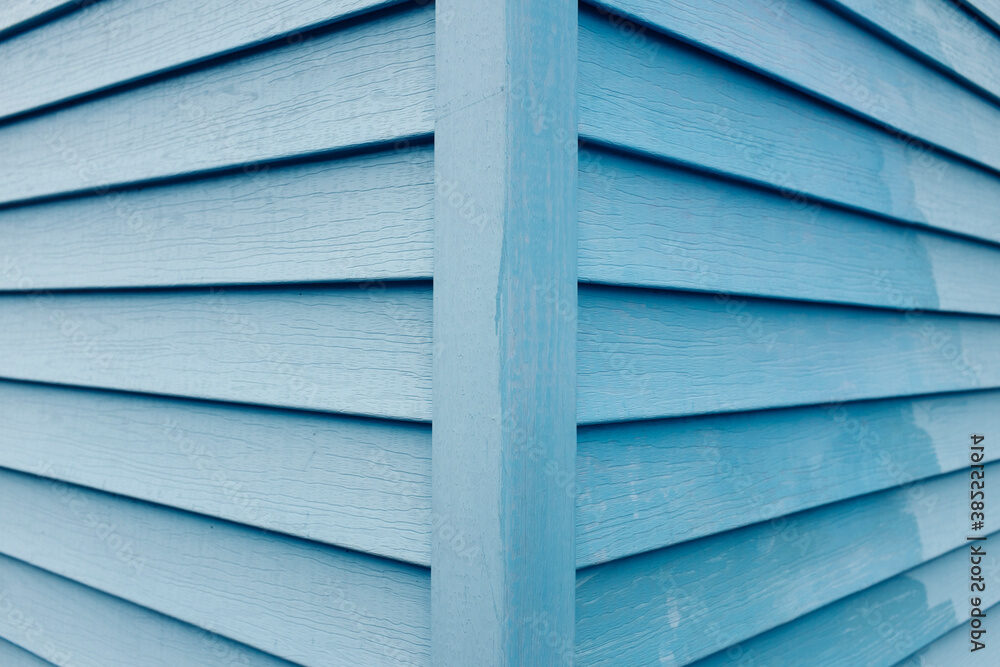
{"x":504,"y":437}
{"x":115,"y":41}
{"x":879,"y":626}
{"x":358,"y":218}
{"x":650,"y":484}
{"x":365,"y":84}
{"x":15,"y":656}
{"x":647,"y":354}
{"x":357,"y":483}
{"x":939,"y":30}
{"x":817,"y":50}
{"x":656,"y":225}
{"x":297,"y":600}
{"x":677,"y":103}
{"x":77,"y":626}
{"x":19,"y":15}
{"x":951,"y":649}
{"x":353,"y":349}
{"x":987,"y":10}
{"x":688,"y":601}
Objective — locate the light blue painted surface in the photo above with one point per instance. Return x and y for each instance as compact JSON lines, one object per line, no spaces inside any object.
{"x":298,"y":600}
{"x":19,"y":15}
{"x":360,"y":349}
{"x":112,"y":42}
{"x":880,"y":625}
{"x":359,"y":218}
{"x":687,"y":601}
{"x":987,"y":10}
{"x":754,"y":129}
{"x":940,"y":31}
{"x":816,"y":50}
{"x":649,"y":484}
{"x":76,"y":626}
{"x":306,"y":533}
{"x":15,"y":656}
{"x":949,"y":650}
{"x":365,"y":84}
{"x":504,"y":333}
{"x":363,"y":484}
{"x":657,"y":225}
{"x":743,"y":354}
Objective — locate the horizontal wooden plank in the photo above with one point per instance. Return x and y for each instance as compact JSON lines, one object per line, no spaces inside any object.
{"x":78,"y":626}
{"x":354,"y":349}
{"x":116,"y":41}
{"x":657,"y":225}
{"x":987,"y":10}
{"x":941,"y":31}
{"x":820,"y":51}
{"x":878,"y":626}
{"x":647,"y":354}
{"x":368,"y":83}
{"x":688,"y":601}
{"x":15,"y":656}
{"x":650,"y":484}
{"x":18,"y":15}
{"x":357,"y":483}
{"x":359,"y":218}
{"x":733,"y":121}
{"x":298,"y":600}
{"x":951,"y":649}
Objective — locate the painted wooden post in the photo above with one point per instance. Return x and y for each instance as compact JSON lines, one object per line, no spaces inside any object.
{"x":504,"y":326}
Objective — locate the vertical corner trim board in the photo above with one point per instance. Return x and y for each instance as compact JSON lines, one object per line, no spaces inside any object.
{"x":504,"y":432}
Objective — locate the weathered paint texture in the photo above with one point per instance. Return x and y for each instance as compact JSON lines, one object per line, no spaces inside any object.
{"x":504,"y":333}
{"x":522,"y":332}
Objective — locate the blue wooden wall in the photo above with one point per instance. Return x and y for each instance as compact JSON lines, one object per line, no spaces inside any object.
{"x":217,"y":242}
{"x":722,"y":273}
{"x":789,"y":261}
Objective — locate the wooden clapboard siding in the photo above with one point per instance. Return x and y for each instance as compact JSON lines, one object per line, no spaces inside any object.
{"x":693,"y":599}
{"x":817,"y":50}
{"x":73,"y":625}
{"x":215,"y":237}
{"x":672,"y":101}
{"x":939,"y":30}
{"x":651,"y":224}
{"x":813,"y":48}
{"x":77,"y":626}
{"x":294,"y":599}
{"x":646,"y":485}
{"x":951,"y":649}
{"x":115,"y":41}
{"x":15,"y":656}
{"x":357,"y":483}
{"x":647,"y":354}
{"x":987,"y":10}
{"x":353,"y":349}
{"x":363,"y":217}
{"x":19,"y":15}
{"x":364,"y":84}
{"x":878,"y":626}
{"x":753,"y":208}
